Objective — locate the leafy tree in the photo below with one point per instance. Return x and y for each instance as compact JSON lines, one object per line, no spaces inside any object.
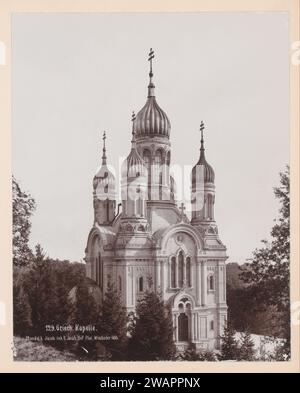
{"x":152,"y":330}
{"x":22,"y":311}
{"x":246,"y":351}
{"x":37,"y":283}
{"x":269,"y":272}
{"x":191,"y":354}
{"x":23,"y":206}
{"x":113,"y":323}
{"x":229,"y":345}
{"x":84,"y":311}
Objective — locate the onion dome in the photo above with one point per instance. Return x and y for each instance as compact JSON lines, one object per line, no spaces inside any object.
{"x":209,"y":174}
{"x":134,"y":165}
{"x":151,"y":120}
{"x":104,"y":179}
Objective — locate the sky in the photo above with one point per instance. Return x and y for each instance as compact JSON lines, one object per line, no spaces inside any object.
{"x":76,"y":75}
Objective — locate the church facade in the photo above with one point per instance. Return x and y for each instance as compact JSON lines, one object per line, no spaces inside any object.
{"x":147,"y":242}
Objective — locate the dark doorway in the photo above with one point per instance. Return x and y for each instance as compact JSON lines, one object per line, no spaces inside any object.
{"x":183,"y":327}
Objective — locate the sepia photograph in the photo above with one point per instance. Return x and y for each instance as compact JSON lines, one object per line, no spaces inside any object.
{"x":150,"y":163}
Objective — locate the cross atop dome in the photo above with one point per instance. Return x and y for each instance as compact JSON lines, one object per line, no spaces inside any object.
{"x":151,"y":120}
{"x":201,"y":130}
{"x":150,"y":58}
{"x":151,"y":85}
{"x":104,"y":149}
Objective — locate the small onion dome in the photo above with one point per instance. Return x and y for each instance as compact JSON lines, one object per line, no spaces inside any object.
{"x":134,"y":165}
{"x":209,"y":174}
{"x":151,"y":120}
{"x":104,"y":176}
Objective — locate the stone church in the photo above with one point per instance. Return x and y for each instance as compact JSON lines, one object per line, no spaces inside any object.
{"x":147,"y":242}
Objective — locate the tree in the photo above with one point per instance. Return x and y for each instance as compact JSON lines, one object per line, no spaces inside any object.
{"x":84,"y":311}
{"x":37,"y":282}
{"x":152,"y":330}
{"x":191,"y":354}
{"x":23,"y":206}
{"x":229,"y":345}
{"x":269,"y":272}
{"x":22,"y":311}
{"x":246,"y":351}
{"x":113,"y":323}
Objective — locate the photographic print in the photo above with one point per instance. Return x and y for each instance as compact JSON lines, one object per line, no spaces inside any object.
{"x":151,"y":187}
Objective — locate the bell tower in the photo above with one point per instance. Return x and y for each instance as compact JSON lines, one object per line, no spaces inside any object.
{"x":203,"y":189}
{"x":152,"y":128}
{"x":104,"y":192}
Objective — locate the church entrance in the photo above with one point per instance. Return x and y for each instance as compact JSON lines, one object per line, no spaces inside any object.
{"x":183,"y":327}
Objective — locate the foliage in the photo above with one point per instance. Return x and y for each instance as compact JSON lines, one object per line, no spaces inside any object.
{"x":191,"y":354}
{"x":246,"y":350}
{"x":84,"y":311}
{"x":113,"y":323}
{"x":152,"y":330}
{"x":30,"y":351}
{"x":22,"y":311}
{"x":229,"y":345}
{"x":23,"y":206}
{"x":268,"y":274}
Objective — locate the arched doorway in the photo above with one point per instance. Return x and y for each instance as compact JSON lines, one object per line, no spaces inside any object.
{"x":184,"y":332}
{"x":183,"y":327}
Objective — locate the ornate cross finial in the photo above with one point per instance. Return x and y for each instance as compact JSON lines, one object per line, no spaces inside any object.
{"x":150,"y":58}
{"x":201,"y":130}
{"x":104,"y":148}
{"x":133,"y":131}
{"x":133,"y":120}
{"x":182,"y":208}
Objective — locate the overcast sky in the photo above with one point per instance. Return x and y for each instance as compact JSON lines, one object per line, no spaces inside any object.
{"x":75,"y":75}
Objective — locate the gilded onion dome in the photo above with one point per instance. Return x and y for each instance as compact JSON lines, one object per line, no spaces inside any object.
{"x":151,"y":120}
{"x":104,"y":179}
{"x":208,"y":172}
{"x":134,"y":165}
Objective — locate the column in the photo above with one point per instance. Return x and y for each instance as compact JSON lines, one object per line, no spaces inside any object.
{"x":224,"y":281}
{"x":203,"y":283}
{"x":132,"y":286}
{"x":198,"y":281}
{"x":162,"y":276}
{"x":176,"y":273}
{"x":176,"y":324}
{"x":175,"y":327}
{"x":191,"y":330}
{"x":221,"y":284}
{"x":128,"y":289}
{"x":197,"y":327}
{"x":157,"y":275}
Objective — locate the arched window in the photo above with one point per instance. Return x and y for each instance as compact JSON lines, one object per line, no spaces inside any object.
{"x":120,"y":283}
{"x":211,"y":282}
{"x":168,"y":162}
{"x":209,"y":206}
{"x":158,"y":165}
{"x":141,"y":284}
{"x":173,"y":272}
{"x":180,"y":269}
{"x":106,"y":188}
{"x":147,"y":160}
{"x":212,"y":325}
{"x":188,"y":272}
{"x":99,"y":270}
{"x":183,"y":327}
